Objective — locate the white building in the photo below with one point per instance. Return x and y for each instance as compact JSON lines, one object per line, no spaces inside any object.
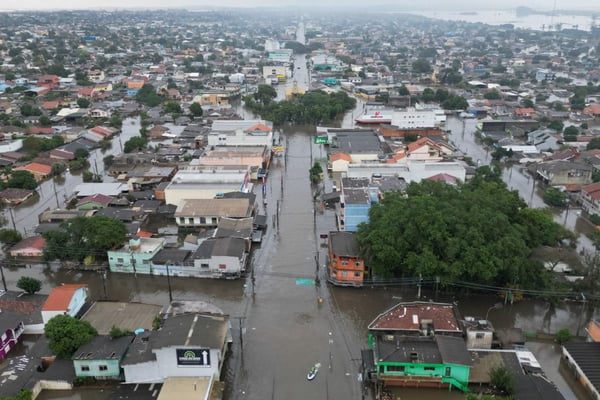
{"x":222,"y":257}
{"x":206,"y":183}
{"x":241,"y":133}
{"x":272,"y":45}
{"x":412,"y":171}
{"x":237,"y":78}
{"x":412,"y":118}
{"x":187,"y":345}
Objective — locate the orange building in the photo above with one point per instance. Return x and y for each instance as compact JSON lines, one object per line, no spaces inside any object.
{"x":593,"y":331}
{"x":346,"y":267}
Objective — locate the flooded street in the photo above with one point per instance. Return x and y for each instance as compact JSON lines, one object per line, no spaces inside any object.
{"x":279,"y":327}
{"x":56,"y":192}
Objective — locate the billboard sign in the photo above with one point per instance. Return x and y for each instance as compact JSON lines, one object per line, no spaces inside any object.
{"x":193,"y":357}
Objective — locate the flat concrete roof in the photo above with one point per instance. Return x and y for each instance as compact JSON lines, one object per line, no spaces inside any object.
{"x":103,"y":315}
{"x":185,"y":389}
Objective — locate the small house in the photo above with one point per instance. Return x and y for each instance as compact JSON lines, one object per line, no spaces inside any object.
{"x":101,"y":357}
{"x":346,"y":267}
{"x":67,"y":299}
{"x":32,"y":246}
{"x":221,"y":257}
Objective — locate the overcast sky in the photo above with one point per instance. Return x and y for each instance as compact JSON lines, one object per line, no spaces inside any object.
{"x":201,"y":4}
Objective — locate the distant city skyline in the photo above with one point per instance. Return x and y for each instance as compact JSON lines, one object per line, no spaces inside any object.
{"x":191,"y":4}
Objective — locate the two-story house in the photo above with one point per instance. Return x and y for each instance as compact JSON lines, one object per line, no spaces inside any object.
{"x":135,"y":256}
{"x":11,"y":330}
{"x":590,"y":198}
{"x":346,"y":267}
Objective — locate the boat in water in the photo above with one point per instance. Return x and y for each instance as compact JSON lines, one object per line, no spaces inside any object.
{"x":313,"y":372}
{"x":374,"y":118}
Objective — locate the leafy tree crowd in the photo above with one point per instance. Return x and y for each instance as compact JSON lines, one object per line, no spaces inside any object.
{"x":478,"y":231}
{"x":310,"y":108}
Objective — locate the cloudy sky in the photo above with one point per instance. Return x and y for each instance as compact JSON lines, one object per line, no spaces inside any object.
{"x":200,"y":4}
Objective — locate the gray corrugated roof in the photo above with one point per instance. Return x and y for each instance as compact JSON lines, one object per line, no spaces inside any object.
{"x":344,"y":244}
{"x":232,"y":247}
{"x":587,"y":356}
{"x":453,"y":350}
{"x":180,"y":330}
{"x":103,"y":347}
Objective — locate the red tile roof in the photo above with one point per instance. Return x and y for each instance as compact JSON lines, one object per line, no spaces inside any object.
{"x":593,"y":109}
{"x":442,"y":177}
{"x":592,"y":190}
{"x":61,"y":296}
{"x":524,"y":111}
{"x":340,"y":156}
{"x":36,"y":168}
{"x":35,"y":242}
{"x":408,"y":317}
{"x":259,"y":127}
{"x":420,"y":143}
{"x":96,"y":198}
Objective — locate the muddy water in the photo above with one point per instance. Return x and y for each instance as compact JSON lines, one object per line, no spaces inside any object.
{"x":55,"y":192}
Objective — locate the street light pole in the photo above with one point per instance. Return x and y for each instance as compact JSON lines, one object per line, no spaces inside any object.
{"x":169,"y":283}
{"x":496,"y":306}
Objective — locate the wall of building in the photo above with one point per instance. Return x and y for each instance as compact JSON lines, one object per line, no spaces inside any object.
{"x":166,"y":366}
{"x":113,"y":368}
{"x":354,"y":214}
{"x":386,"y":371}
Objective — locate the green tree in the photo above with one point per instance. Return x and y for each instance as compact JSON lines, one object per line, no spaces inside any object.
{"x":115,"y":122}
{"x":503,"y":380}
{"x":571,"y":131}
{"x":403,"y":91}
{"x":562,"y":336}
{"x":108,"y":160}
{"x":265,"y":94}
{"x":147,"y":95}
{"x":135,"y":143}
{"x":455,"y":103}
{"x":196,"y":109}
{"x":594,"y":143}
{"x":66,"y":334}
{"x":81,"y":237}
{"x":27,"y":110}
{"x":492,"y":95}
{"x":556,"y":125}
{"x":172,"y":108}
{"x":527,"y":103}
{"x":116,"y":332}
{"x":315,"y":173}
{"x":45,"y":121}
{"x":555,"y":197}
{"x":83,"y":102}
{"x":58,"y":168}
{"x":421,"y":66}
{"x":428,"y":95}
{"x":29,"y":285}
{"x":22,"y":180}
{"x":81,"y":153}
{"x":478,"y":231}
{"x":24,"y":394}
{"x":10,"y":236}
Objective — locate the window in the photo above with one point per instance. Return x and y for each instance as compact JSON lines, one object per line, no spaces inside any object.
{"x":202,"y":220}
{"x":85,"y":367}
{"x":103,"y":368}
{"x":191,"y":221}
{"x":479,"y":335}
{"x":357,"y":263}
{"x":344,"y":262}
{"x":119,"y":260}
{"x":203,"y":265}
{"x":429,"y":368}
{"x":344,"y":273}
{"x":357,"y":274}
{"x":146,"y":262}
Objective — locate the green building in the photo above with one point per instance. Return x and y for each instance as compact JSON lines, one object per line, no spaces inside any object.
{"x":136,"y":256}
{"x":434,"y":361}
{"x":417,"y":344}
{"x":101,"y":357}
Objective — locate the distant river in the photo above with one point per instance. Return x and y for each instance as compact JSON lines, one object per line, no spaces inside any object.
{"x":499,"y":17}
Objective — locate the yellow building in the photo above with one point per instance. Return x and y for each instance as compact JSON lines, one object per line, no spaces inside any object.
{"x":294,"y":91}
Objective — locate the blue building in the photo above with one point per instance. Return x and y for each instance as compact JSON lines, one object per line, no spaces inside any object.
{"x":357,"y":195}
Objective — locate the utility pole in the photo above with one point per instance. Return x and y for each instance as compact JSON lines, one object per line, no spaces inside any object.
{"x":55,"y":194}
{"x":169,"y":283}
{"x":3,"y":279}
{"x":241,"y":325}
{"x":419,"y":286}
{"x":12,"y":218}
